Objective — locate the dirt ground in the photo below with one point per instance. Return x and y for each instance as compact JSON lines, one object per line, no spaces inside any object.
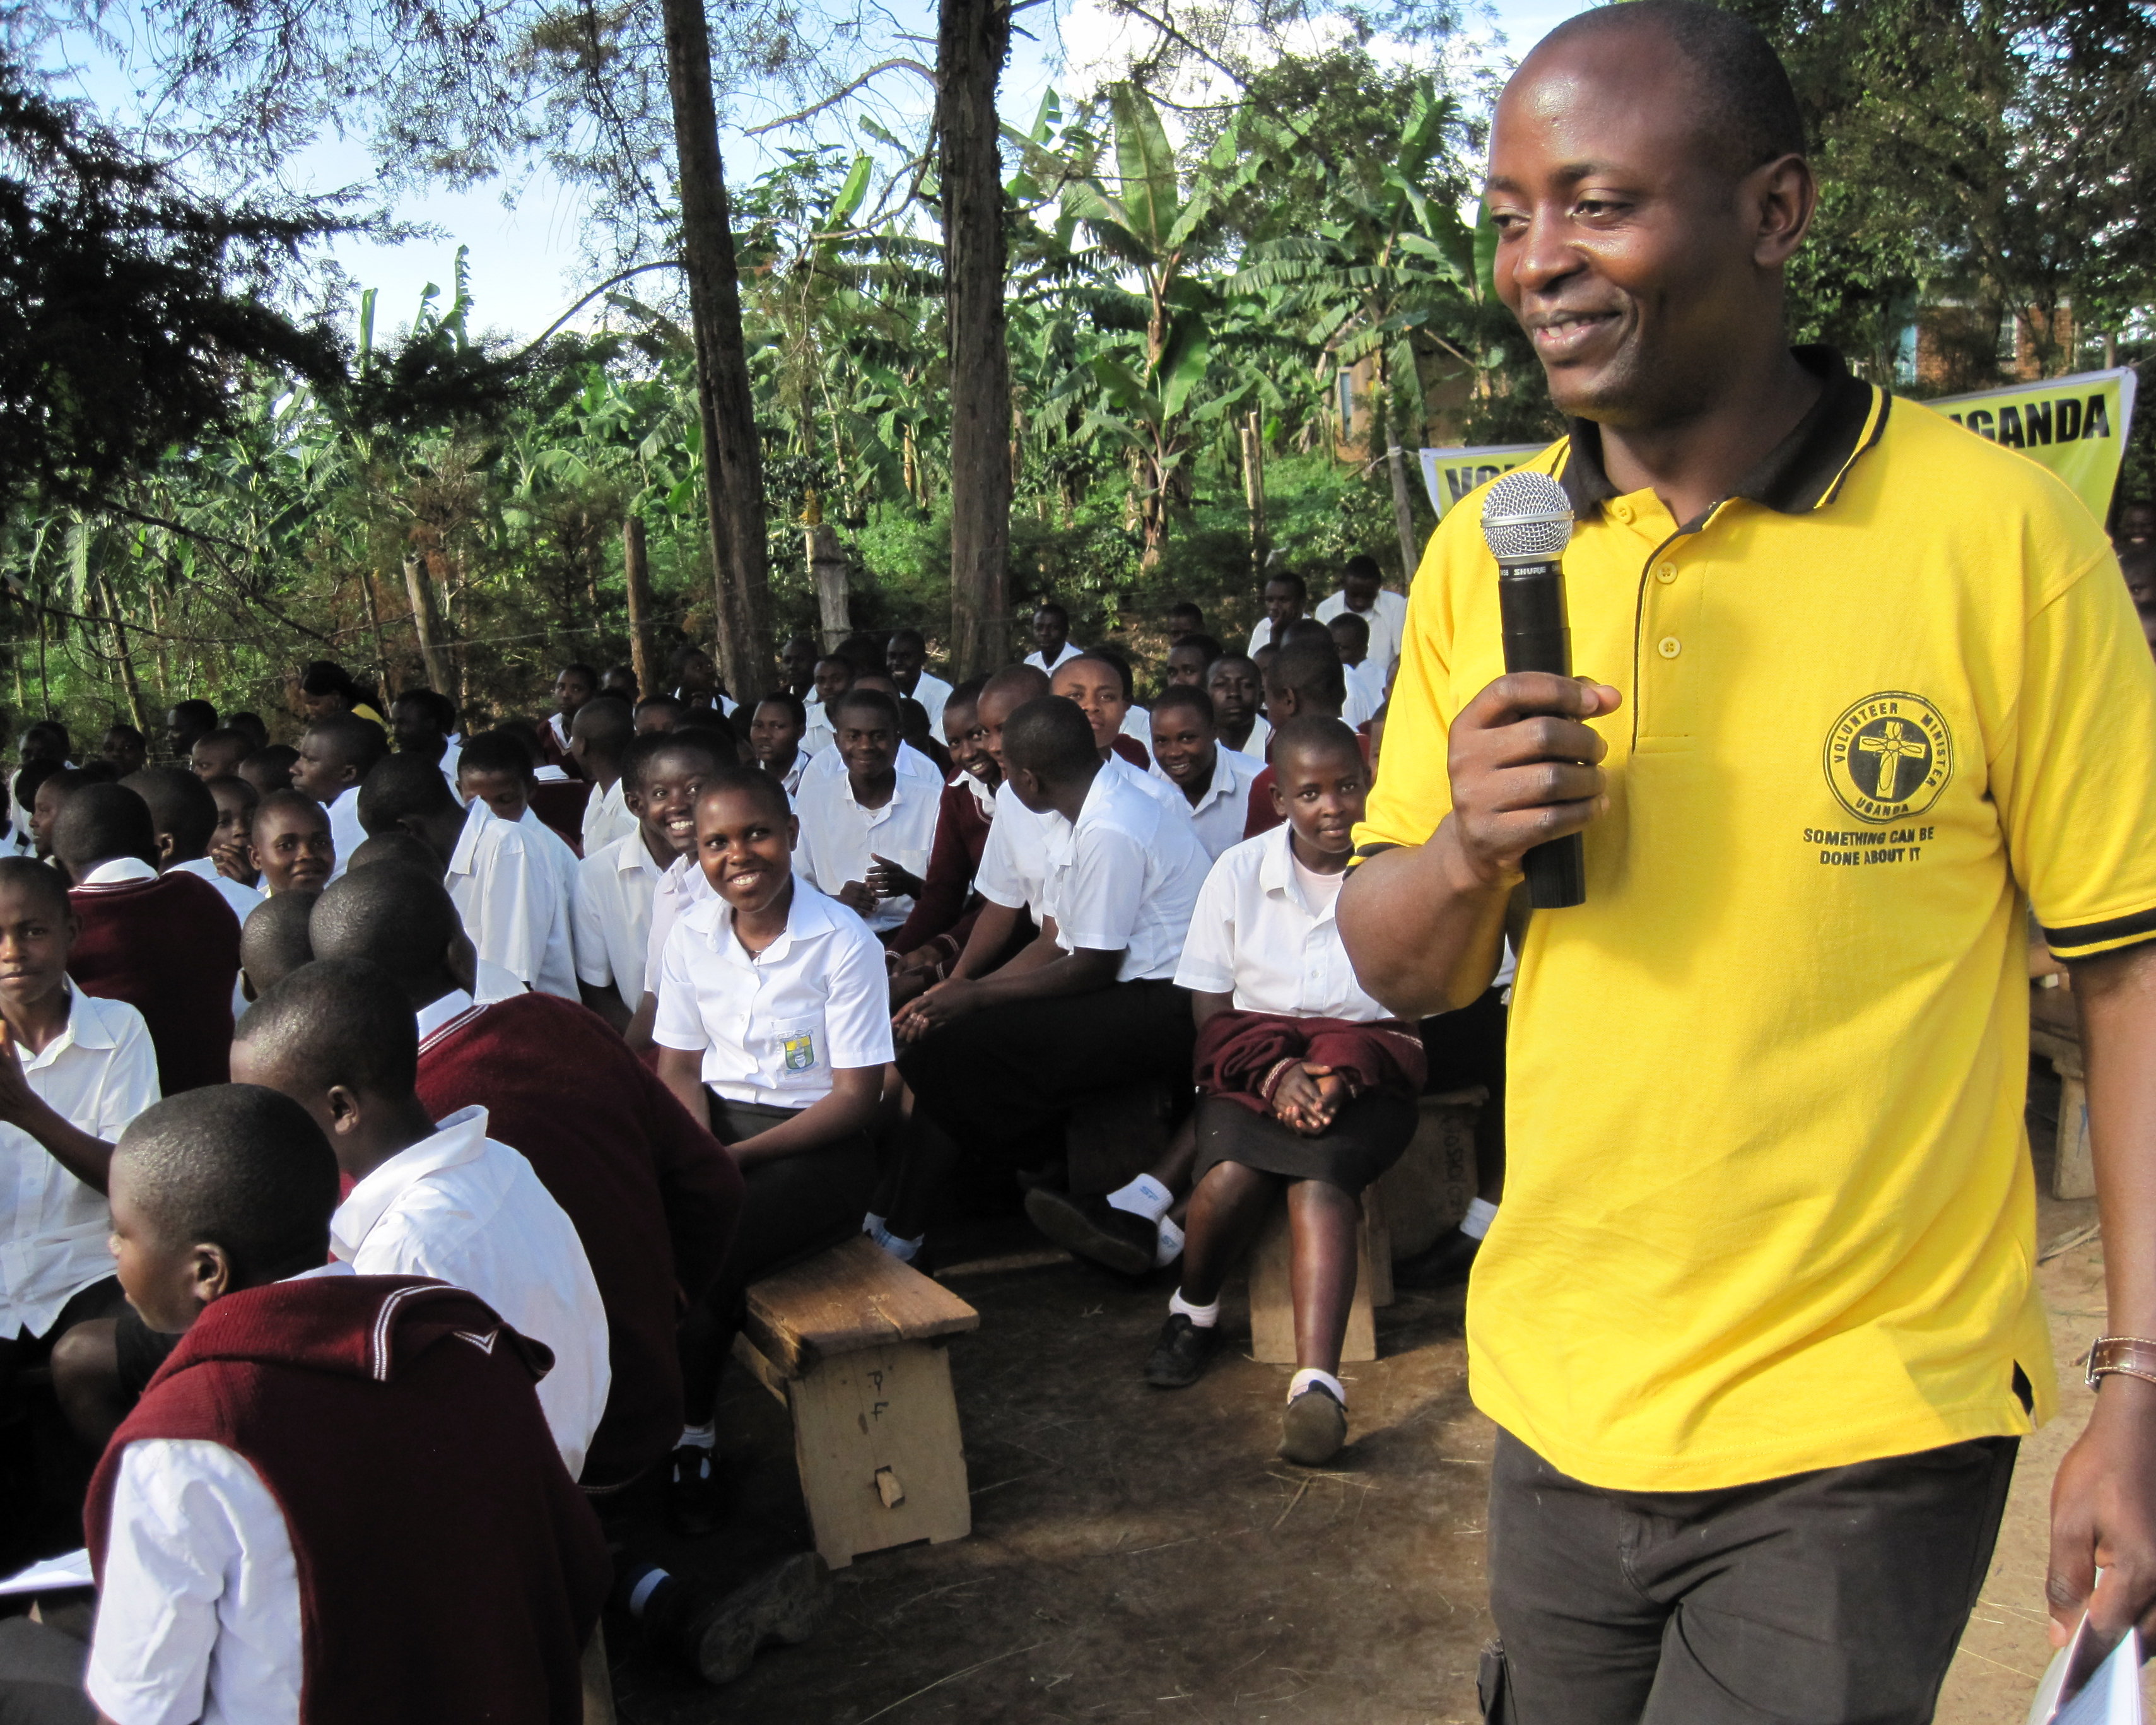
{"x":1138,"y":1555}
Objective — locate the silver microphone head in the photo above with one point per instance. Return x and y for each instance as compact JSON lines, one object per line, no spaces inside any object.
{"x":1527,"y":517}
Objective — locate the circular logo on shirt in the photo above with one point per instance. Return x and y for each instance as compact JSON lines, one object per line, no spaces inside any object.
{"x":1889,"y":756}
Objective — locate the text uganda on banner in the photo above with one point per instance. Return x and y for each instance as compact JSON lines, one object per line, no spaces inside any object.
{"x":2077,"y":426}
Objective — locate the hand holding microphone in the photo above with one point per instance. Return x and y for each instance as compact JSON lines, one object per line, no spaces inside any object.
{"x":1523,"y":761}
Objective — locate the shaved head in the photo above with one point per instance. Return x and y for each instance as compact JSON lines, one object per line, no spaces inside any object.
{"x":272,"y":940}
{"x":398,"y":919}
{"x":233,"y":1165}
{"x":1741,"y":98}
{"x":335,"y":1022}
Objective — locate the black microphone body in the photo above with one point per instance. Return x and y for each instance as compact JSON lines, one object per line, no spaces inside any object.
{"x":1531,"y":605}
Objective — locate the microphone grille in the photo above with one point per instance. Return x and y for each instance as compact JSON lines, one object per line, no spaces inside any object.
{"x":1527,"y":517}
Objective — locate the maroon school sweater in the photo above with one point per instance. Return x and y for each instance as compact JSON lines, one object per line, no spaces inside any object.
{"x":961,"y":834}
{"x":652,"y":1195}
{"x":448,"y":1569}
{"x":170,"y":948}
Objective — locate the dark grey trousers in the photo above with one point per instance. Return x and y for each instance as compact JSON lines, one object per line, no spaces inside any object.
{"x":1831,"y":1598}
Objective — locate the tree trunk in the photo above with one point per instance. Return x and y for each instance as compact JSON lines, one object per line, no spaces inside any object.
{"x":827,"y":566}
{"x":1254,"y":485}
{"x":374,"y":623}
{"x":636,"y":577}
{"x":420,"y":589}
{"x":972,"y":43}
{"x":129,"y":681}
{"x":1402,"y":499}
{"x":733,"y":462}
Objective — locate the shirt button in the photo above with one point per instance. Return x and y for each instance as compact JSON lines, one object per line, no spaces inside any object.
{"x":1669,"y":646}
{"x":1667,"y":574}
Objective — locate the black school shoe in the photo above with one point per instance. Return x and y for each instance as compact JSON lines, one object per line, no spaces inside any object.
{"x":1179,"y":1357}
{"x":1094,"y":1229}
{"x":719,"y":1634}
{"x":1313,"y":1428}
{"x":694,"y":1500}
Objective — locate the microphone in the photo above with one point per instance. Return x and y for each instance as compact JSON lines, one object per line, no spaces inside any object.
{"x":1527,"y":522}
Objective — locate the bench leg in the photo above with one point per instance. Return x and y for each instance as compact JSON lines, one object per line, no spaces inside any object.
{"x":1272,"y":1301}
{"x":599,"y":1680}
{"x":2073,"y":1173}
{"x":875,"y":1435}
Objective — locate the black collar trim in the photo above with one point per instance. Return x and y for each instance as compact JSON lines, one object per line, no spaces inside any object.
{"x":1804,"y":471}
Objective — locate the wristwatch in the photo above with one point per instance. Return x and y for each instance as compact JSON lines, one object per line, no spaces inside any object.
{"x":2132,"y":1356}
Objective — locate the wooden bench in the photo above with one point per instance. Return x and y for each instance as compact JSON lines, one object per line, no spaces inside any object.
{"x":1272,"y":1301}
{"x":852,"y":1342}
{"x":2055,"y":1032}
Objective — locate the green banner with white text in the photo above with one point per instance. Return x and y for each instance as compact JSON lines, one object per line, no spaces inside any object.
{"x":2077,"y":426}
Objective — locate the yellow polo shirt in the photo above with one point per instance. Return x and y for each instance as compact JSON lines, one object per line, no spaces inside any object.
{"x":1769,"y":1204}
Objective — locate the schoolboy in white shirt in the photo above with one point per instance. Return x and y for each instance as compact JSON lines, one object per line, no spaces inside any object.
{"x":73,"y":1071}
{"x":431,"y":1198}
{"x":335,"y":755}
{"x":998,"y":1063}
{"x":906,"y":653}
{"x":1383,"y":612}
{"x":774,"y":1028}
{"x":1053,"y":648}
{"x":866,"y":833}
{"x":508,"y":895}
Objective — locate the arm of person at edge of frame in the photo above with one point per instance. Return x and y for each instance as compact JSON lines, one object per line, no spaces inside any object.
{"x":2103,"y":1498}
{"x":1424,"y":925}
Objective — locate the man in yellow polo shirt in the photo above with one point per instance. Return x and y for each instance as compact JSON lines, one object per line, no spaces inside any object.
{"x":1757,"y":1317}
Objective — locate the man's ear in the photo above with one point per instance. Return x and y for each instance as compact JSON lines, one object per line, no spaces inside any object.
{"x":1781,"y":196}
{"x":166,"y":844}
{"x":345,"y":1117}
{"x":1279,"y":800}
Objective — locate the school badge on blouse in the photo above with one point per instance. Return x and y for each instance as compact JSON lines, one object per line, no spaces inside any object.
{"x":800,"y":1052}
{"x":1889,"y":756}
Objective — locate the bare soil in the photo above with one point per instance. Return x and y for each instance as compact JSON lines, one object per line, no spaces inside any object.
{"x":1142,"y":1555}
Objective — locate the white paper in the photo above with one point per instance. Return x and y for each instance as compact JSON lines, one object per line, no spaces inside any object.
{"x":2112,"y":1697}
{"x":53,"y":1576}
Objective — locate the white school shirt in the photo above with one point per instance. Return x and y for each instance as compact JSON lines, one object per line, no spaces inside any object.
{"x":1013,"y":866}
{"x":839,"y":838}
{"x":819,"y":736}
{"x":932,"y":692}
{"x":1138,"y":726}
{"x":558,"y":723}
{"x":1387,"y":620}
{"x":1123,"y":877}
{"x":97,"y":1074}
{"x":1218,"y":815}
{"x":911,"y":764}
{"x":347,"y":834}
{"x":683,"y":885}
{"x":452,"y":752}
{"x":773,"y":1028}
{"x":463,"y":1209}
{"x":198,"y":1616}
{"x":1260,"y":934}
{"x":613,"y":914}
{"x":791,"y":778}
{"x":512,"y":903}
{"x":1372,"y":677}
{"x":1071,"y":650}
{"x":606,"y":817}
{"x":561,"y":856}
{"x":1357,"y":705}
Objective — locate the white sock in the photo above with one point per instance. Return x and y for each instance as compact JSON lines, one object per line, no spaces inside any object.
{"x":904,"y":1250}
{"x":872,"y":1223}
{"x":701,"y":1437}
{"x":1481,"y":1213}
{"x":1203,"y":1317}
{"x":647,"y":1585}
{"x":1145,"y":1197}
{"x":1310,"y":1375}
{"x":1167,"y":1245}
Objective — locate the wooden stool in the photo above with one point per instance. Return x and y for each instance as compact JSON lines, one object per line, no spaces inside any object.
{"x":851,"y":1341}
{"x":1426,"y":1191}
{"x":1272,"y":1302}
{"x":2055,"y":1032}
{"x":597,"y":1680}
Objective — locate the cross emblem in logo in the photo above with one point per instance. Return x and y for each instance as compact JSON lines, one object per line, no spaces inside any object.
{"x":1898,"y":744}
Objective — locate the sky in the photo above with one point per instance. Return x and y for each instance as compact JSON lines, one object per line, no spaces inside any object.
{"x":526,"y":270}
